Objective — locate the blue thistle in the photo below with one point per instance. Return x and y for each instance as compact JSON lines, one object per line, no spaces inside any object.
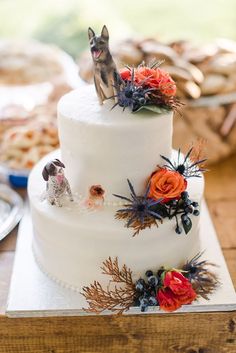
{"x":203,"y":280}
{"x":130,"y":95}
{"x":187,"y":168}
{"x":139,"y":211}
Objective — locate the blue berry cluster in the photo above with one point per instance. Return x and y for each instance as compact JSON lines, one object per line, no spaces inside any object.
{"x":181,"y":210}
{"x":185,"y":208}
{"x":146,"y":290}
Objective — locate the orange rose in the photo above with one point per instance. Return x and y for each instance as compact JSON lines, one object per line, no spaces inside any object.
{"x":155,"y":78}
{"x":188,"y":297}
{"x":166,"y":184}
{"x":167,"y":85}
{"x":151,"y":78}
{"x":125,"y":74}
{"x":167,"y":300}
{"x":179,"y":284}
{"x":177,"y":291}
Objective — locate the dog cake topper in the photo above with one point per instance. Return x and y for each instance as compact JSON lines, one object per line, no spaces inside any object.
{"x":105,"y":71}
{"x":57,"y":184}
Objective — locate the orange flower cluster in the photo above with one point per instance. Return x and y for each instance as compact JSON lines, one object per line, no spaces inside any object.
{"x":176,"y":291}
{"x":151,"y":78}
{"x":166,"y":184}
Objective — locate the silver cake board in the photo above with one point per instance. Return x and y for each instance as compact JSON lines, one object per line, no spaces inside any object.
{"x":34,"y":294}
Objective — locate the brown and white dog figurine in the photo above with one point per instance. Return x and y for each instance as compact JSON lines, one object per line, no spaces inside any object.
{"x":57,"y":184}
{"x":105,"y":71}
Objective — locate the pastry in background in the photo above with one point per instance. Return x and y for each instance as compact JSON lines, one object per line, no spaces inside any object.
{"x":33,"y":77}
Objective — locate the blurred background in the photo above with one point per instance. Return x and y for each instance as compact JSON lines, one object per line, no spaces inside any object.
{"x":65,"y":22}
{"x":44,"y":45}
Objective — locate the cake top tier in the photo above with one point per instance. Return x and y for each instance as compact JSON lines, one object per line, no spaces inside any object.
{"x":81,"y":105}
{"x":104,"y":146}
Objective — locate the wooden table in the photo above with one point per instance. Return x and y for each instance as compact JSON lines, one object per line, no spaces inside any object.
{"x":179,"y":333}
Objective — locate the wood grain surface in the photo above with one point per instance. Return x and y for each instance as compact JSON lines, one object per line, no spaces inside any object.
{"x":179,"y":333}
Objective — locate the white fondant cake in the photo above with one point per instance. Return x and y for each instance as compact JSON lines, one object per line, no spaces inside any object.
{"x":71,"y":242}
{"x":104,"y":146}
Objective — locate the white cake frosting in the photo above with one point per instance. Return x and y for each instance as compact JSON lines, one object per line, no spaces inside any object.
{"x":104,"y":146}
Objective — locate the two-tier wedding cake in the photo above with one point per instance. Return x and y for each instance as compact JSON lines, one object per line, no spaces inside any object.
{"x":127,"y":202}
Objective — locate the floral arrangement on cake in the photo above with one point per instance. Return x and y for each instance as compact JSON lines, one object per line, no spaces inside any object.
{"x":146,"y":87}
{"x":165,"y":195}
{"x":168,"y":288}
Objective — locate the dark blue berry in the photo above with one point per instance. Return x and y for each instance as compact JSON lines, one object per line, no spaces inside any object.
{"x":152,"y":301}
{"x":140,"y":284}
{"x":184,"y":217}
{"x":188,"y":209}
{"x":153,"y":281}
{"x":196,"y":212}
{"x":149,"y":273}
{"x":195,"y":204}
{"x":142,"y":100}
{"x":186,"y":221}
{"x":178,"y":230}
{"x":143,"y":304}
{"x":184,"y":195}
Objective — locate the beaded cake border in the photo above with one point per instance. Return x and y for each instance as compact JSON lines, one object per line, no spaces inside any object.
{"x":63,"y":284}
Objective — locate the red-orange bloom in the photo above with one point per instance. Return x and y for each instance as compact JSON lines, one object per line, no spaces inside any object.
{"x":167,"y":300}
{"x":125,"y":74}
{"x":151,"y":78}
{"x":176,"y":291}
{"x":166,"y":184}
{"x":177,"y":282}
{"x":188,"y":297}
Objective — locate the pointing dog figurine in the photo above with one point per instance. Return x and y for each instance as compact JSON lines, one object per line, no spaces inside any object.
{"x":105,"y":71}
{"x":57,"y":184}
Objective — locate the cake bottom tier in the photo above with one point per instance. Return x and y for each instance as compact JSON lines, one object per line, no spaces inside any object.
{"x":70,"y":243}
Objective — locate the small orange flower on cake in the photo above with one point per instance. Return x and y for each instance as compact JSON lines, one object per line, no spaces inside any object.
{"x":166,"y":184}
{"x":96,"y":197}
{"x":176,"y":291}
{"x":152,"y":78}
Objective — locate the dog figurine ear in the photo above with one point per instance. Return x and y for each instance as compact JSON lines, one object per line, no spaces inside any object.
{"x":45,"y":173}
{"x":105,"y":33}
{"x":58,"y":163}
{"x":91,"y":33}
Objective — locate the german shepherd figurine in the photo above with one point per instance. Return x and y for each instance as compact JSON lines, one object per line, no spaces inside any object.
{"x":105,"y":71}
